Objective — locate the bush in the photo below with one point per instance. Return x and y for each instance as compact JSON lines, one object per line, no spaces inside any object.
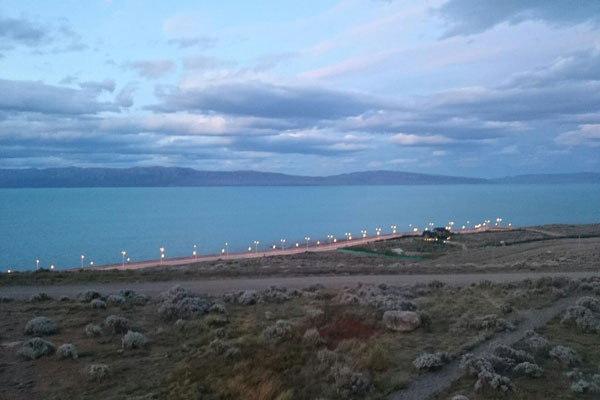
{"x":218,"y":308}
{"x":349,"y":383}
{"x":93,"y":330}
{"x":312,"y":337}
{"x":565,"y":355}
{"x":88,"y":296}
{"x":99,"y":372}
{"x":529,"y":369}
{"x":178,"y":303}
{"x":133,"y":297}
{"x":591,"y":303}
{"x":117,"y":324}
{"x":36,"y":298}
{"x":581,"y":317}
{"x":98,"y":304}
{"x":37,"y":347}
{"x":222,"y":348}
{"x":537,"y":344}
{"x":134,"y":340}
{"x":115,"y":299}
{"x":64,"y":298}
{"x":65,"y":351}
{"x":41,"y":326}
{"x":279,"y":331}
{"x":431,"y":361}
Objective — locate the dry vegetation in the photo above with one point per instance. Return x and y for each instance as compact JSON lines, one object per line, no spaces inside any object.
{"x":274,"y":344}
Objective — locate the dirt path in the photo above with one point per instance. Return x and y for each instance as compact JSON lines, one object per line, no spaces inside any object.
{"x":432,"y":383}
{"x":219,"y":286}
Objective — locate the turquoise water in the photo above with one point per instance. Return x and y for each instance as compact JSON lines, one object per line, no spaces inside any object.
{"x":58,"y":225}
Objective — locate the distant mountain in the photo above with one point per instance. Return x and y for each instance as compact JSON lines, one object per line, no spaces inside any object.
{"x":166,"y":177}
{"x":581,"y":177}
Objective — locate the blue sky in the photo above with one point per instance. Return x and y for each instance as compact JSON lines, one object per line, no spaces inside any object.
{"x":460,"y":87}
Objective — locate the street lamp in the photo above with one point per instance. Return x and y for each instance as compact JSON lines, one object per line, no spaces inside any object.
{"x":378,"y":231}
{"x":194,"y":253}
{"x":82,"y":257}
{"x":329,"y":238}
{"x":282,"y":243}
{"x":394,"y":228}
{"x":37,"y":263}
{"x":249,"y":249}
{"x":348,"y":236}
{"x":307,"y":238}
{"x":256,"y":243}
{"x":51,"y":268}
{"x":364,"y":233}
{"x":226,"y":248}
{"x":162,"y":254}
{"x":91,"y":264}
{"x":123,"y":254}
{"x":297,"y":244}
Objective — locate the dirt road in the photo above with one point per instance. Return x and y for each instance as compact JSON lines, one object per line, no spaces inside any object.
{"x":219,"y":286}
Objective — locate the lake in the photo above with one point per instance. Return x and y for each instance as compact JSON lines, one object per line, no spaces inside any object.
{"x":59,"y":225}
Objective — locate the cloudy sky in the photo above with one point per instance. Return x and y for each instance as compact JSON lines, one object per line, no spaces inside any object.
{"x":460,"y":87}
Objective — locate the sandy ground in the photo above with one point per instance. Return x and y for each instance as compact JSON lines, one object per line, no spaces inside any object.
{"x":219,"y":286}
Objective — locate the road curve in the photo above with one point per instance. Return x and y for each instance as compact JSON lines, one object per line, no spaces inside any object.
{"x":219,"y":286}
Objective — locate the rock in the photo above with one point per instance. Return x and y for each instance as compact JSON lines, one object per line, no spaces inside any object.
{"x":99,"y":371}
{"x":133,"y":340}
{"x":65,"y":351}
{"x":37,"y":347}
{"x":41,"y":326}
{"x":401,"y":321}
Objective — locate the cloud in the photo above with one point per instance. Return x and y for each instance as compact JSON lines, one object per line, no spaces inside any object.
{"x":408,"y":139}
{"x":22,"y":31}
{"x":204,"y":42}
{"x":467,"y":17}
{"x":584,"y":135}
{"x":267,"y":62}
{"x":202,"y":63}
{"x":28,"y":96}
{"x":151,"y":69}
{"x":268,"y":100}
{"x":106,"y":85}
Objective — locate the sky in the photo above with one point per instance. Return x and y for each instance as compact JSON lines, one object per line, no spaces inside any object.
{"x":457,"y":87}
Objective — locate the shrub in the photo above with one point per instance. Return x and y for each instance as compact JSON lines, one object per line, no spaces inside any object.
{"x":327,"y":358}
{"x":99,"y":371}
{"x":178,"y":303}
{"x":279,"y":331}
{"x":41,"y":326}
{"x":88,"y":296}
{"x":565,"y":355}
{"x":98,"y":304}
{"x":312,"y":337}
{"x":349,"y":383}
{"x":133,"y":297}
{"x":218,"y":308}
{"x":93,"y":330}
{"x":430,"y":361}
{"x":537,"y":344}
{"x":115,"y":299}
{"x":36,"y":298}
{"x":222,"y":348}
{"x":117,"y":324}
{"x":37,"y":347}
{"x":65,"y":351}
{"x":64,"y":298}
{"x":591,"y":303}
{"x":581,"y":317}
{"x":133,"y":340}
{"x":518,"y":356}
{"x":529,"y":369}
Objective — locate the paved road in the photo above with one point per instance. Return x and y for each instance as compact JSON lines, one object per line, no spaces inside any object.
{"x":219,"y":286}
{"x":432,"y":383}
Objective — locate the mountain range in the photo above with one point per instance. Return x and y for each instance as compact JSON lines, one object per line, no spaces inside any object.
{"x":173,"y":176}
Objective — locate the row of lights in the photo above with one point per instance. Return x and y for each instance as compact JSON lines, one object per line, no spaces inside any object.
{"x":330,"y":238}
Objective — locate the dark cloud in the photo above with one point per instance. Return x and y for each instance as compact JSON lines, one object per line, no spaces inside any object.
{"x":151,"y":69}
{"x":268,"y":100}
{"x":466,"y":17}
{"x":28,"y":96}
{"x":22,"y":31}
